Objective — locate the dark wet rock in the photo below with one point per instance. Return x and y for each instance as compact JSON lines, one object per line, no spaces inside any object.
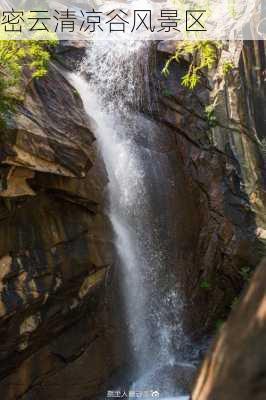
{"x":235,"y":367}
{"x":221,"y":226}
{"x":69,"y":53}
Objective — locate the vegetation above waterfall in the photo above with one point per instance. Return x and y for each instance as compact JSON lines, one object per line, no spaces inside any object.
{"x":16,"y":57}
{"x":202,"y":55}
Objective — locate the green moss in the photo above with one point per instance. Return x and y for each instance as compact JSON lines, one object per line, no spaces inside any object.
{"x":205,"y":284}
{"x":245,"y":272}
{"x":166,"y":92}
{"x":76,"y":93}
{"x":219,"y":324}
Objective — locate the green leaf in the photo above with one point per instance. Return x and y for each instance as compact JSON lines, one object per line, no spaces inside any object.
{"x":190,"y":80}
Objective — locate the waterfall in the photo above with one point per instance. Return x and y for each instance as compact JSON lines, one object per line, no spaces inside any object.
{"x":114,"y":85}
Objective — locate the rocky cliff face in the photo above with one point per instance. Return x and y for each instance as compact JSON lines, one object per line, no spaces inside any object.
{"x":59,"y":336}
{"x":56,"y":251}
{"x":221,"y":204}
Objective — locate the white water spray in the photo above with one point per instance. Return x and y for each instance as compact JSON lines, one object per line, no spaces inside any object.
{"x":140,"y":180}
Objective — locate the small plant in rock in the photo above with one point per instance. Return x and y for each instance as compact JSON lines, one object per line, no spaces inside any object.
{"x":227,"y":66}
{"x":210,"y":114}
{"x":205,"y":284}
{"x":245,"y":272}
{"x":203,"y":54}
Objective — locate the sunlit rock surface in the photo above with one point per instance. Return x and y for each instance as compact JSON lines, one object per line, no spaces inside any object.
{"x":235,"y":367}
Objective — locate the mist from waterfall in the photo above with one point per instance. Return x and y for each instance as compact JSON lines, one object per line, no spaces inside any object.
{"x":114,"y":84}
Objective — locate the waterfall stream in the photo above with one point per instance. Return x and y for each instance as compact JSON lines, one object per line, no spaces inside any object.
{"x":114,"y":84}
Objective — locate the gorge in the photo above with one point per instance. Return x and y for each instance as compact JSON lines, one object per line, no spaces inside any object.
{"x":87,"y":305}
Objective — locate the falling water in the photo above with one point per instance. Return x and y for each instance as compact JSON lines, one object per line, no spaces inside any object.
{"x":141,"y":180}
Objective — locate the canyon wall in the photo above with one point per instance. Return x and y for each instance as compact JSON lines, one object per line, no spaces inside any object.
{"x":221,"y":215}
{"x":59,"y":316}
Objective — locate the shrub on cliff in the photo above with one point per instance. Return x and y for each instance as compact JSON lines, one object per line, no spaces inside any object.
{"x":16,"y":57}
{"x":202,"y":55}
